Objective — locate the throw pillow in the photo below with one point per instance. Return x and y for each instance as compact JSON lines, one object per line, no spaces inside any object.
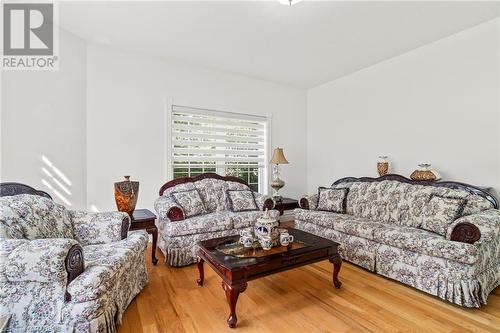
{"x":440,"y":212}
{"x":241,"y":200}
{"x":332,"y":199}
{"x":190,"y":201}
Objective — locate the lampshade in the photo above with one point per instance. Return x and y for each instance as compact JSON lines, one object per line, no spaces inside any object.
{"x":278,"y":157}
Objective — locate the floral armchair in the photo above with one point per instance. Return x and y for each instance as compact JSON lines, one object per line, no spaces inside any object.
{"x":203,"y":207}
{"x":63,"y":270}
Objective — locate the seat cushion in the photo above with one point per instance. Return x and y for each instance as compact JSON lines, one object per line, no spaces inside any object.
{"x":426,"y":242}
{"x":200,"y":224}
{"x":351,"y":225}
{"x":103,"y":263}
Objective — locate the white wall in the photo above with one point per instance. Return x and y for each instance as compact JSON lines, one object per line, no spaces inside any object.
{"x":43,"y":113}
{"x":126,"y":104}
{"x":101,"y":116}
{"x":438,"y":103}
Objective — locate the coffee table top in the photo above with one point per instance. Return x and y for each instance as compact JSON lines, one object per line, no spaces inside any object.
{"x":304,"y":243}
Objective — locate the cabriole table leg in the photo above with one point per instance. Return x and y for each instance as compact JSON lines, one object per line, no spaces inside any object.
{"x":232,"y":293}
{"x":202,"y":272}
{"x":337,"y":264}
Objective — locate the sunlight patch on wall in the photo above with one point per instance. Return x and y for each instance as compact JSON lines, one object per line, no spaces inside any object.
{"x":56,"y":170}
{"x":54,"y":179}
{"x":56,"y":192}
{"x":94,"y":209}
{"x":45,"y":171}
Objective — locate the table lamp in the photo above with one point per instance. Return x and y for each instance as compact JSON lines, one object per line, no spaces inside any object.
{"x":276,"y":183}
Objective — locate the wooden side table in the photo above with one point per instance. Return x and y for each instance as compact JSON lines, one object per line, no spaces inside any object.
{"x":144,"y":219}
{"x":286,"y":204}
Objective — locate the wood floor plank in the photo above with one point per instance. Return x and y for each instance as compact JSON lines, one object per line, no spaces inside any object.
{"x":301,"y":300}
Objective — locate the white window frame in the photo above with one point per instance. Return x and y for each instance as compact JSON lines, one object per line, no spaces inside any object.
{"x":264,"y":172}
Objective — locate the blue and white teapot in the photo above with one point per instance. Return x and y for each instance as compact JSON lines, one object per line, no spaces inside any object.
{"x":266,"y":226}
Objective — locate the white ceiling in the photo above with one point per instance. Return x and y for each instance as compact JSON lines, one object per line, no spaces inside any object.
{"x":304,"y":45}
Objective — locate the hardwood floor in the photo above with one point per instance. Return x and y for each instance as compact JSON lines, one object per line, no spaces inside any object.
{"x":300,"y":300}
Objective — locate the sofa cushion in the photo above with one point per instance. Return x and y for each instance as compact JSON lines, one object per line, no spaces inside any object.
{"x":440,"y":212}
{"x":332,"y":199}
{"x":213,"y":193}
{"x":244,"y":219}
{"x":402,"y":203}
{"x":190,"y":201}
{"x":475,"y":203}
{"x":388,"y":201}
{"x":406,"y":203}
{"x":32,"y":216}
{"x":348,"y":224}
{"x":241,"y":201}
{"x":200,"y":224}
{"x":98,"y":228}
{"x":426,"y":242}
{"x":248,"y":219}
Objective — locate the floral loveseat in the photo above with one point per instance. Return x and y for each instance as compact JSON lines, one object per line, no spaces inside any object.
{"x":392,"y":226}
{"x":203,"y":207}
{"x":63,"y":270}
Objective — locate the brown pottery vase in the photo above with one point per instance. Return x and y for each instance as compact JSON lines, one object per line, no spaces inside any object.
{"x":382,"y":166}
{"x":126,"y":193}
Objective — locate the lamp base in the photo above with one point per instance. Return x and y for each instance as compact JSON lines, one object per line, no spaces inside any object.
{"x":277,"y":197}
{"x":276,"y":185}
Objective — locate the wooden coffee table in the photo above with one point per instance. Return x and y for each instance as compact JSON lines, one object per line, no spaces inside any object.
{"x":250,"y":264}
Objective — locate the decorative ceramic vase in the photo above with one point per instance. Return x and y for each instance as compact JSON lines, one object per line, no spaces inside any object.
{"x":424,"y":173}
{"x":126,"y":193}
{"x":382,"y":165}
{"x":267,"y":226}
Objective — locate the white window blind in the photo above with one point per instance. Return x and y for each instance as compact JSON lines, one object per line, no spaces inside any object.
{"x":203,"y":137}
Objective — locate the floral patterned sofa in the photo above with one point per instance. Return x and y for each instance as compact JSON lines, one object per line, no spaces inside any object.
{"x":192,"y":209}
{"x":63,"y":270}
{"x":395,"y":227}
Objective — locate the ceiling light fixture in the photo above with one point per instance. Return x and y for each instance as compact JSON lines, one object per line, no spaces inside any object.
{"x":289,"y":2}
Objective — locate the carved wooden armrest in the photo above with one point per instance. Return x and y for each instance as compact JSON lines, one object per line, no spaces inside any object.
{"x":268,"y":204}
{"x":175,"y":214}
{"x":465,"y":232}
{"x":304,"y":203}
{"x":125,"y":226}
{"x":309,"y":201}
{"x":74,"y":265}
